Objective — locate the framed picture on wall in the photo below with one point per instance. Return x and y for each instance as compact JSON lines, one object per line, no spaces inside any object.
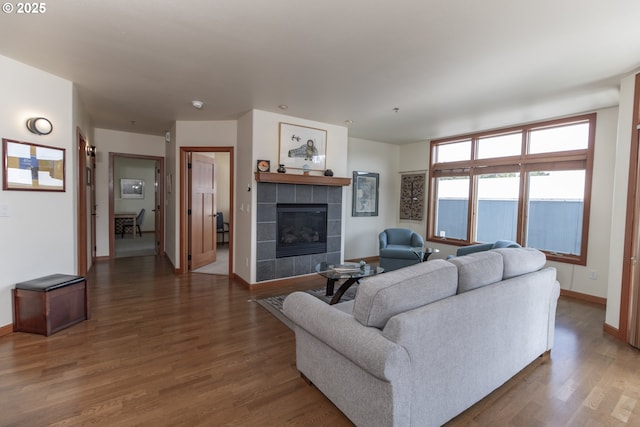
{"x":32,"y":167}
{"x":132,"y":188}
{"x":365,"y":194}
{"x":302,"y":147}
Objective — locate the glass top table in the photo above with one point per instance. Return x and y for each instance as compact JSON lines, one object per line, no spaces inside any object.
{"x":350,"y":272}
{"x":422,"y":253}
{"x":428,"y":252}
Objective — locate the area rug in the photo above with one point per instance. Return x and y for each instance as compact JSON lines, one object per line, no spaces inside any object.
{"x":274,"y":304}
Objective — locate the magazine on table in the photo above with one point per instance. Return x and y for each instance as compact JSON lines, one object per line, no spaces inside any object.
{"x":345,"y":268}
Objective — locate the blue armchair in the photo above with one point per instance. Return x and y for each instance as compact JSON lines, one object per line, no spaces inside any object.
{"x":400,"y":247}
{"x":466,"y":250}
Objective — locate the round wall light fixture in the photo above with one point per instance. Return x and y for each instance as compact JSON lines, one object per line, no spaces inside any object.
{"x":39,"y":126}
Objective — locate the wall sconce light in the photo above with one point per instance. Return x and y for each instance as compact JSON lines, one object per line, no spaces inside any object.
{"x":92,"y":150}
{"x":39,"y":126}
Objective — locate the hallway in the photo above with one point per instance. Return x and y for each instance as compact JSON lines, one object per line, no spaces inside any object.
{"x":127,"y":246}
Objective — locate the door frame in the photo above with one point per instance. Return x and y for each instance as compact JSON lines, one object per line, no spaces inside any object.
{"x":86,"y":172}
{"x":159,"y":191}
{"x":632,"y":224}
{"x":184,"y":205}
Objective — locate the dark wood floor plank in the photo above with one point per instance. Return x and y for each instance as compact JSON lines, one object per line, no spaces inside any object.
{"x":197,"y":350}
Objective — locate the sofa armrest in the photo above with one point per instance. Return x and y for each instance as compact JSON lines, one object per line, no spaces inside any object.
{"x":364,"y":346}
{"x":382,"y":240}
{"x":466,"y":250}
{"x":417,"y":240}
{"x":553,"y":305}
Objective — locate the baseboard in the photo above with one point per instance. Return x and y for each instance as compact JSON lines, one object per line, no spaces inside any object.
{"x":239,"y":280}
{"x":6,"y":330}
{"x":178,"y":270}
{"x":583,"y":297}
{"x":610,"y":330}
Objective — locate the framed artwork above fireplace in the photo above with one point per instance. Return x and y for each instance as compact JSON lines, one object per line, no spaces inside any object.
{"x":302,"y":147}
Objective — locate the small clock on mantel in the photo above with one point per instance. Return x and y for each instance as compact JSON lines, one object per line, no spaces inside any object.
{"x":264,"y":165}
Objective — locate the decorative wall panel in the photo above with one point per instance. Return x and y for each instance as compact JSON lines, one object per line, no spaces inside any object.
{"x":412,"y":189}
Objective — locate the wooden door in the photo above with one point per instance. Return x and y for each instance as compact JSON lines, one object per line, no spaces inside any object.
{"x":86,"y":203}
{"x":202,"y":219}
{"x":634,"y":276}
{"x":629,"y":326}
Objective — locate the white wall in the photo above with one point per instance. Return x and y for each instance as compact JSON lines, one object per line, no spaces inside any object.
{"x":361,"y":237}
{"x":112,"y":141}
{"x":620,"y":172}
{"x":244,"y":233}
{"x":571,"y":277}
{"x":39,"y":234}
{"x":412,"y":162}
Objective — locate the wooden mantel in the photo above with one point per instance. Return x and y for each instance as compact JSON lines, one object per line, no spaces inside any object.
{"x":287,"y":178}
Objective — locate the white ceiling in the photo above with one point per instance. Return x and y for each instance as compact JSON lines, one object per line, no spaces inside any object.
{"x":450,"y":66}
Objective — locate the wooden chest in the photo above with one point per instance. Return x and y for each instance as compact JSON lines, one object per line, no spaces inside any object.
{"x":51,"y":303}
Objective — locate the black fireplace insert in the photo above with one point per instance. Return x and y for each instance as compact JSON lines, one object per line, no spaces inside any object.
{"x":301,"y":228}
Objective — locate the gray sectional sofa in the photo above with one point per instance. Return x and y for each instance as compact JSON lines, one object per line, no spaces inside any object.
{"x":421,"y":344}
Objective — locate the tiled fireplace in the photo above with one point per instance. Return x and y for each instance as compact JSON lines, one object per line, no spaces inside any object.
{"x":272,"y":262}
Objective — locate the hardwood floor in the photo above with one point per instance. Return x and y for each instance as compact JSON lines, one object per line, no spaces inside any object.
{"x":195,"y":350}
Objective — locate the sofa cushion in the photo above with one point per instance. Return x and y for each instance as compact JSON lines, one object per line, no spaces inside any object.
{"x":383,"y":296}
{"x":478,"y":269}
{"x":519,"y":261}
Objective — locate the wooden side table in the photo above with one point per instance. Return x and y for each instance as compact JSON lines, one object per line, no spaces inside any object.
{"x":51,"y":303}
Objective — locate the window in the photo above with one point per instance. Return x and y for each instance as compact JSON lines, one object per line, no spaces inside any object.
{"x":555,"y":206}
{"x":497,"y":217}
{"x":530,"y":184}
{"x":559,"y":138}
{"x":454,"y":151}
{"x":500,"y":146}
{"x":452,"y":207}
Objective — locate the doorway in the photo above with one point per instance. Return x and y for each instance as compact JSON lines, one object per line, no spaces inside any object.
{"x":136,"y":216}
{"x":206,"y":177}
{"x":86,"y":204}
{"x":629,"y":323}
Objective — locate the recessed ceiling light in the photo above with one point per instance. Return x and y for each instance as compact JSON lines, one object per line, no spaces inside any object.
{"x":197,"y":104}
{"x":283,"y":107}
{"x":396,"y":110}
{"x":348,"y":122}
